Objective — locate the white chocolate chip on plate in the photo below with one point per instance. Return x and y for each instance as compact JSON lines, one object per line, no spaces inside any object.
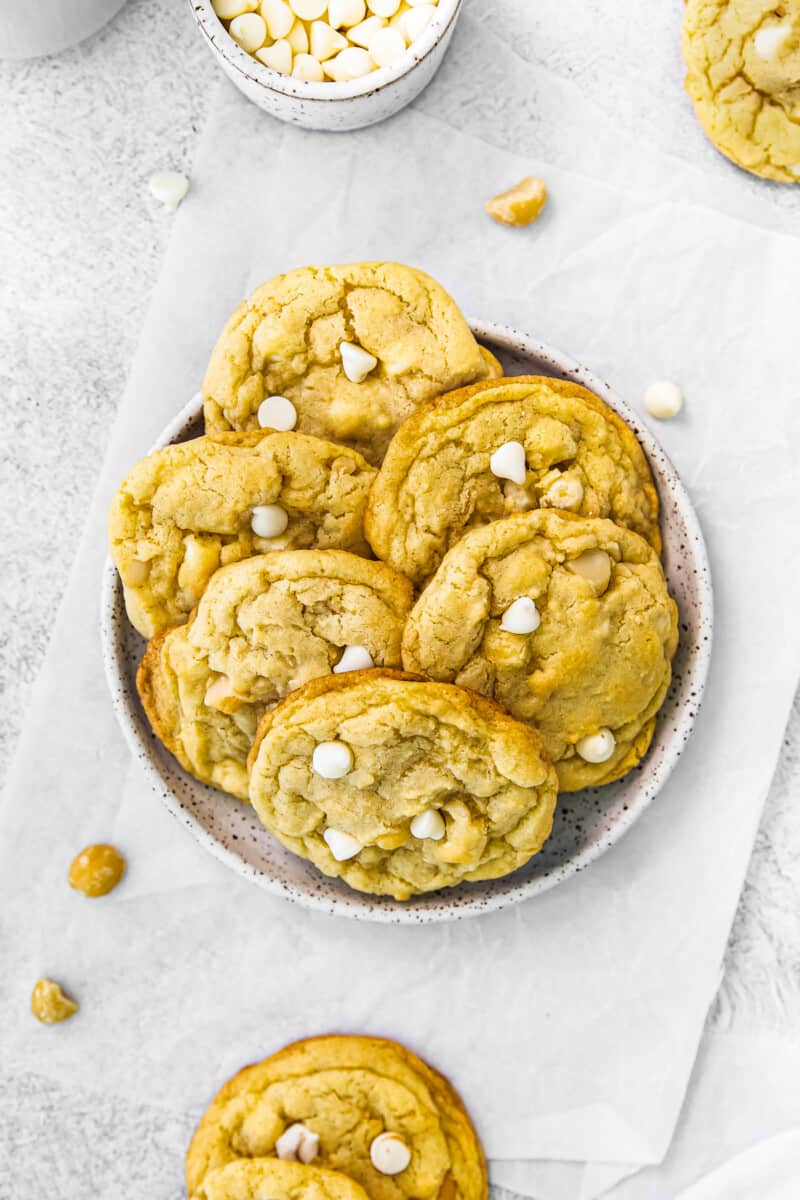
{"x":389,"y":1153}
{"x":169,"y":188}
{"x":269,"y":520}
{"x":564,"y":493}
{"x":356,"y":361}
{"x":521,"y":617}
{"x":279,"y":18}
{"x":346,"y":13}
{"x":428,"y":824}
{"x":278,"y":56}
{"x":360,"y":34}
{"x":308,"y":68}
{"x":276,"y":412}
{"x":663,"y":399}
{"x":597,"y":747}
{"x":332,"y":760}
{"x":297,"y":1144}
{"x":249,"y":31}
{"x":341,"y":845}
{"x":354,"y":658}
{"x":509,"y":462}
{"x":325,"y":41}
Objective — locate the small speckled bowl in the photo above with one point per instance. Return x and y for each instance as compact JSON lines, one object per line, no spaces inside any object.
{"x":332,"y":106}
{"x":586,"y":823}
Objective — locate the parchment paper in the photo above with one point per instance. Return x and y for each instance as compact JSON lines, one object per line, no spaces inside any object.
{"x":570,"y":1024}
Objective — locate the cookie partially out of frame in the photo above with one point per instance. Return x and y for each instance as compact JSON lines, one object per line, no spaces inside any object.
{"x":399,"y":785}
{"x":190,"y":508}
{"x":264,"y":627}
{"x":566,"y":621}
{"x":286,"y":340}
{"x":501,"y":447}
{"x":274,"y":1179}
{"x":346,"y":1092}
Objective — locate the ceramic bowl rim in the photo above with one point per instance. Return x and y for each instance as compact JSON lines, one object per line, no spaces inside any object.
{"x":362,"y":907}
{"x":255,"y":72}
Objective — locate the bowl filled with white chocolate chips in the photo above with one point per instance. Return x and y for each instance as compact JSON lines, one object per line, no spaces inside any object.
{"x":328,"y":64}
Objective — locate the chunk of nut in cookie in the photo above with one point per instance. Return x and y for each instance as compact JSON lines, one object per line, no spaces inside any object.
{"x":595,"y":567}
{"x":521,"y":204}
{"x":297,"y":1144}
{"x":563,"y":493}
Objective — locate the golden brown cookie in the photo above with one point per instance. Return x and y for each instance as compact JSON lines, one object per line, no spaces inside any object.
{"x":501,"y":447}
{"x":275,"y":1179}
{"x":401,"y":786}
{"x":743,"y":76}
{"x":566,"y":621}
{"x":264,"y":627}
{"x":345,"y":1093}
{"x":190,"y":508}
{"x":286,"y":340}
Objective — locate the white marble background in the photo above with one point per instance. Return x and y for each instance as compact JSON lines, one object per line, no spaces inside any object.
{"x":81,"y":241}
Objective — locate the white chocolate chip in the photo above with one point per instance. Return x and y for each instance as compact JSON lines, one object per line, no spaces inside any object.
{"x":226,"y":10}
{"x":332,"y":760}
{"x":416,"y":20}
{"x":308,"y":68}
{"x":356,"y":362}
{"x":169,"y":188}
{"x":383,"y":8}
{"x":309,"y":10}
{"x":594,"y":566}
{"x":325,"y":42}
{"x":249,"y":31}
{"x":386,"y":46}
{"x":297,"y":1144}
{"x":278,"y":16}
{"x":269,"y":520}
{"x":769,"y":40}
{"x":564,"y":493}
{"x":297,"y":38}
{"x":795,"y":169}
{"x":389,"y":1153}
{"x":360,"y":34}
{"x":278,"y":57}
{"x":354,"y":658}
{"x":663,"y":399}
{"x":521,"y":617}
{"x":345,"y":13}
{"x":428,"y":824}
{"x":509,"y":462}
{"x":276,"y":412}
{"x":341,"y":845}
{"x":350,"y":64}
{"x":597,"y":747}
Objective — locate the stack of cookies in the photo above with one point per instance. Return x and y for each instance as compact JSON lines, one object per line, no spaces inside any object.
{"x":394,"y":600}
{"x":337,"y":1118}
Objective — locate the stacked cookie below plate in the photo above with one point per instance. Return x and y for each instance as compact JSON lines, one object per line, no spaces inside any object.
{"x":404,"y":723}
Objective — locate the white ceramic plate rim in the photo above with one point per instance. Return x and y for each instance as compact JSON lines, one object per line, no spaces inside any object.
{"x":514,"y":342}
{"x":256,"y":72}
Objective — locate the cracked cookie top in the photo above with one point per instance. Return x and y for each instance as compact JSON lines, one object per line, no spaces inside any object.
{"x":743,"y":76}
{"x":346,"y":1093}
{"x":501,"y":447}
{"x":405,"y":340}
{"x":190,"y":508}
{"x":399,"y":785}
{"x":263,"y":628}
{"x":274,"y":1179}
{"x":566,"y":621}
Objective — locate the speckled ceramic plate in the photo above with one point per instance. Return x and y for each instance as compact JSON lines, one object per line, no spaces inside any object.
{"x":586,"y":824}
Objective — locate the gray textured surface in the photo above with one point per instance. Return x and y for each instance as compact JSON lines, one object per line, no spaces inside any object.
{"x":81,"y":242}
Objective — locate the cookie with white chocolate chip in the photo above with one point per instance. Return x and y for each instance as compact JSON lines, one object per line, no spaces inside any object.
{"x":743,"y":76}
{"x":363,"y":1106}
{"x":401,"y":786}
{"x":354,"y":349}
{"x":275,"y":1179}
{"x":566,"y":621}
{"x":191,"y":508}
{"x":263,"y":628}
{"x":500,"y":447}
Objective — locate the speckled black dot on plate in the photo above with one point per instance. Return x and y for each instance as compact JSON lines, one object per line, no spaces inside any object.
{"x":581,"y":832}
